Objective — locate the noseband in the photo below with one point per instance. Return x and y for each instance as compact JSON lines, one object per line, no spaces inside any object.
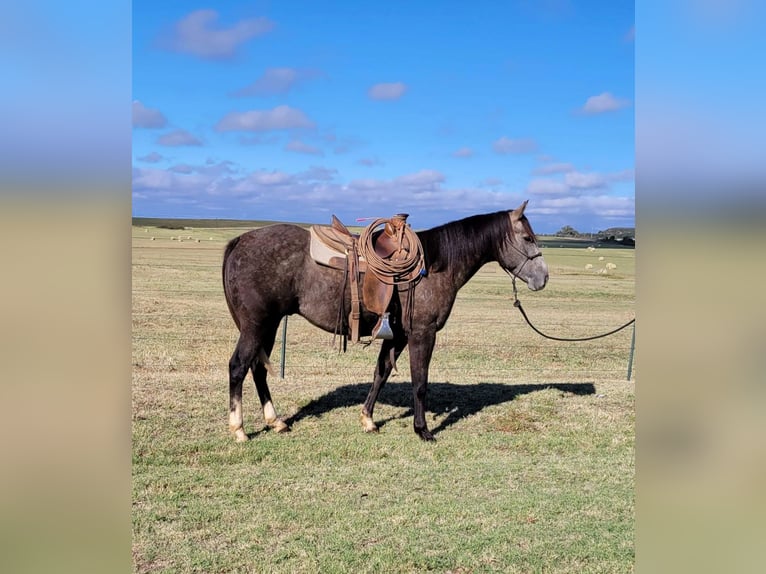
{"x":512,"y":272}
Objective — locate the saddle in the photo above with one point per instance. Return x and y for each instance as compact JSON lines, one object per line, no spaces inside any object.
{"x":374,"y":262}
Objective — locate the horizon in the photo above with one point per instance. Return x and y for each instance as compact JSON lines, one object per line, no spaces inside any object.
{"x":349,"y":224}
{"x":263,"y":114}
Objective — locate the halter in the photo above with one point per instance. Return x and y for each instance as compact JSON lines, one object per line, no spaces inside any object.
{"x":515,"y":274}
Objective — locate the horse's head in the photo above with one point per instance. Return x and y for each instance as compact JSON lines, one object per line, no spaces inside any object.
{"x":520,"y":255}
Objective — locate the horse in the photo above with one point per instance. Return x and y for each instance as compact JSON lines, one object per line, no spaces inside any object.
{"x":268,"y":273}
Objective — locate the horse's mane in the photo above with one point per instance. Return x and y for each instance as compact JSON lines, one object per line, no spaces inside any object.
{"x":467,"y":238}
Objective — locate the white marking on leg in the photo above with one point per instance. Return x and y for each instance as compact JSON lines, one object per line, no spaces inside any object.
{"x":236,"y":423}
{"x":270,"y":416}
{"x":367,"y":423}
{"x":269,"y":413}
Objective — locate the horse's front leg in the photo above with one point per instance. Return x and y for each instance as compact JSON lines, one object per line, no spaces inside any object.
{"x":382,"y":371}
{"x":421,"y":350}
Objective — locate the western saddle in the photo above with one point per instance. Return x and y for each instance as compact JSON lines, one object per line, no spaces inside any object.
{"x":374,"y":262}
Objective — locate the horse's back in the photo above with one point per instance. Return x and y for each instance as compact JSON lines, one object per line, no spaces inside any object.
{"x":278,"y":241}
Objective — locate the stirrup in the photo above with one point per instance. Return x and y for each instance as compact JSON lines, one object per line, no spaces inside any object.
{"x":383,"y":330}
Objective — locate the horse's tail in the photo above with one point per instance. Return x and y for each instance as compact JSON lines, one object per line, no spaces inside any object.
{"x":229,"y":248}
{"x":261,"y":353}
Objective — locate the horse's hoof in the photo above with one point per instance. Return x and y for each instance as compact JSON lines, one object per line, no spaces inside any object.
{"x":367,"y":423}
{"x":426,"y":435}
{"x":240,"y":436}
{"x":279,"y":426}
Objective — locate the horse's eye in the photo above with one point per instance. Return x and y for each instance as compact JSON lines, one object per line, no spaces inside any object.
{"x":528,"y":239}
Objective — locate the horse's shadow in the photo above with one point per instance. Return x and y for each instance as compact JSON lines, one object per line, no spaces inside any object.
{"x":456,"y":401}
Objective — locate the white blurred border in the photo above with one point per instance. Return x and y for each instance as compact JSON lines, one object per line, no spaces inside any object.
{"x":65,"y":483}
{"x":701,"y":328}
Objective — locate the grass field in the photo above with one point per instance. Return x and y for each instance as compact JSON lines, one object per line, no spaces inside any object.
{"x":532,"y":471}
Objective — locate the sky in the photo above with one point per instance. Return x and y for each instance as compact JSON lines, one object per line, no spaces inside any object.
{"x":294,"y":111}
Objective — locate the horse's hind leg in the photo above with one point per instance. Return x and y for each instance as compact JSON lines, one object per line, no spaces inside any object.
{"x":239,"y":364}
{"x":261,"y":368}
{"x":382,"y":371}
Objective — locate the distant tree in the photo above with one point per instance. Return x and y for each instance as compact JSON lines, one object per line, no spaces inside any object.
{"x":567,"y":231}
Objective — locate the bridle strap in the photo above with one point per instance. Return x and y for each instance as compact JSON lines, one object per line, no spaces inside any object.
{"x":527,"y":259}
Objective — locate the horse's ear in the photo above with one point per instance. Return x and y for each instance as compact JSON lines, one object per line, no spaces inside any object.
{"x":519,"y":211}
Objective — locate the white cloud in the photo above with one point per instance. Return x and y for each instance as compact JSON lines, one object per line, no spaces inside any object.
{"x":257,"y":183}
{"x":152,"y":157}
{"x":606,"y":206}
{"x":547,"y":187}
{"x":198,"y":34}
{"x":624,"y":175}
{"x":575,"y":183}
{"x":553,"y":168}
{"x":178,"y":138}
{"x":276,"y":81}
{"x":506,"y":145}
{"x":269,"y":177}
{"x":319,"y":173}
{"x":603,"y":103}
{"x":369,"y":161}
{"x":463,"y":152}
{"x":216,"y":169}
{"x":579,"y":180}
{"x":165,"y":180}
{"x":595,"y":180}
{"x":387,"y":91}
{"x":144,"y":117}
{"x":424,"y":179}
{"x":313,"y":194}
{"x":280,"y":118}
{"x":301,"y":147}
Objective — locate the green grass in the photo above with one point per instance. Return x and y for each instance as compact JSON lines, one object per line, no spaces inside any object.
{"x":532,"y":471}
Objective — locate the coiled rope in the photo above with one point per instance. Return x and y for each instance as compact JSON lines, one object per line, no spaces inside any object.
{"x":394,"y":270}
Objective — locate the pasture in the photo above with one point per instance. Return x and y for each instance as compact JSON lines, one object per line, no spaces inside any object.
{"x":532,"y":471}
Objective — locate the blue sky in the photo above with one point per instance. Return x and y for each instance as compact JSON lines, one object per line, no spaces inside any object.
{"x":298,"y":110}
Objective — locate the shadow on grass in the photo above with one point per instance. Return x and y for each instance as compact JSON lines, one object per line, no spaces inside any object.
{"x":456,"y":401}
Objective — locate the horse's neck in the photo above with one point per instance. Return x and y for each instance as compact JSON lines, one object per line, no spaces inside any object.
{"x":460,"y":269}
{"x":463,"y":273}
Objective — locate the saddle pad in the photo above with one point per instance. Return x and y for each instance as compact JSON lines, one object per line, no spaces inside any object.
{"x":323,"y":253}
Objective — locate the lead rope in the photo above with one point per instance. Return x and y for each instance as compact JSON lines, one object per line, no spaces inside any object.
{"x":517,"y":303}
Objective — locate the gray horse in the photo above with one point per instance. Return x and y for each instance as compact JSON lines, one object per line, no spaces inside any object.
{"x":269,"y":273}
